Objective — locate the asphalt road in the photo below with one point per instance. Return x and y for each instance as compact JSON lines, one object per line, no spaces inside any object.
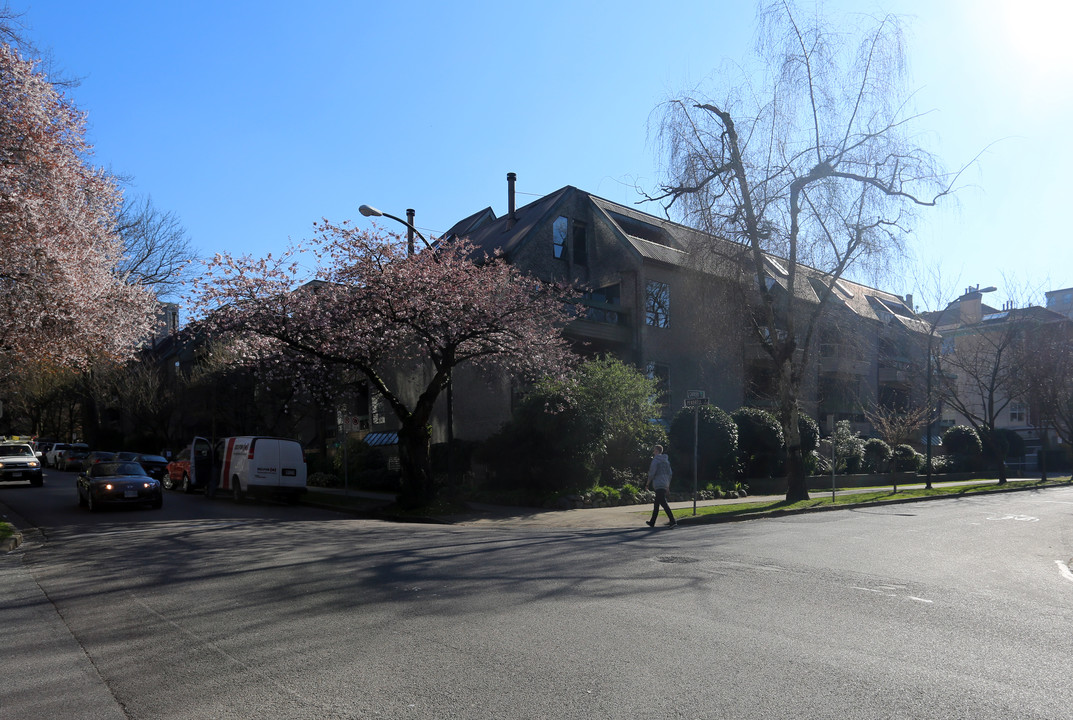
{"x":944,"y":609}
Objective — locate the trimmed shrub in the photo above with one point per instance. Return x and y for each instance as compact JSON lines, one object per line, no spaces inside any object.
{"x":877,"y":456}
{"x":963,"y":449}
{"x":717,"y":444}
{"x":760,"y":441}
{"x":906,"y":459}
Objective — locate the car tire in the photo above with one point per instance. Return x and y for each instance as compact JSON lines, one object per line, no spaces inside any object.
{"x":93,"y":505}
{"x":158,"y":504}
{"x":37,"y":483}
{"x":187,"y":487}
{"x":167,"y":483}
{"x":236,"y":490}
{"x":81,"y":500}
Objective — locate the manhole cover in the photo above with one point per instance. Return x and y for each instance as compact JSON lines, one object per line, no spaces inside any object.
{"x":676,"y":559}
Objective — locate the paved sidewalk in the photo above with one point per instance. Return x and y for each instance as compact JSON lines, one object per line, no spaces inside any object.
{"x":620,"y":516}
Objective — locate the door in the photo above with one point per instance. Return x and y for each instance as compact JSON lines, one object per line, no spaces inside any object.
{"x":200,"y":462}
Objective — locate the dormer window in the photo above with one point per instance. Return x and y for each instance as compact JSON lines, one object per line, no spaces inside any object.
{"x":558,"y":237}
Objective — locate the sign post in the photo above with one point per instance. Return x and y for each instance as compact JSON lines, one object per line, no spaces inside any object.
{"x":694,"y":399}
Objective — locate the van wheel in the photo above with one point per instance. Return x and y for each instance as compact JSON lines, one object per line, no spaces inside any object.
{"x":187,"y":487}
{"x":168,"y":483}
{"x":236,"y":489}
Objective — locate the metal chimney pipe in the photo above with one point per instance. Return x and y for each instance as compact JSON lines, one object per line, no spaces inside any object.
{"x":410,"y":231}
{"x":511,"y":177}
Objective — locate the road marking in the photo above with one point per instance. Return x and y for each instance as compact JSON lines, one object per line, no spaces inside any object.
{"x":1022,"y":518}
{"x":923,"y":600}
{"x":1064,"y":569}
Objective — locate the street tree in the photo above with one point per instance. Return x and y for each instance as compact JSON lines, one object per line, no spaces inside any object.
{"x":1044,"y":362}
{"x":403,"y":321}
{"x":816,"y":166}
{"x":156,"y":249}
{"x":977,"y":375}
{"x":62,"y":296}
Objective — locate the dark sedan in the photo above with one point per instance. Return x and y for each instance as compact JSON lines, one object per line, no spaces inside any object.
{"x":155,"y":465}
{"x":118,"y":483}
{"x":72,"y":459}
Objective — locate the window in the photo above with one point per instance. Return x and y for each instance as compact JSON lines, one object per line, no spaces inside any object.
{"x":581,"y":254}
{"x":558,"y":237}
{"x":1018,"y":413}
{"x":658,"y":304}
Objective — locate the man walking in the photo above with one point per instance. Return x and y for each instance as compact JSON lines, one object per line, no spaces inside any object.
{"x":659,"y":477}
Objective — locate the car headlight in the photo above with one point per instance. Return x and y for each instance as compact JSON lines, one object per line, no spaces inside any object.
{"x":34,"y":463}
{"x":108,"y":486}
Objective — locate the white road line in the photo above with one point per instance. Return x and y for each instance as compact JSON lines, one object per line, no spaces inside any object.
{"x":1064,"y":569}
{"x":923,"y":600}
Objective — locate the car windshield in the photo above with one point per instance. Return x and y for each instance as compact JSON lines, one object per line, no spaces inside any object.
{"x":151,"y":458}
{"x":111,"y":469}
{"x":16,"y":450}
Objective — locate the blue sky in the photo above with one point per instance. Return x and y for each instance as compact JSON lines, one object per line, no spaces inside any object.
{"x":252,"y":120}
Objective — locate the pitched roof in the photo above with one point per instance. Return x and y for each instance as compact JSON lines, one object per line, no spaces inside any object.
{"x":661,"y":240}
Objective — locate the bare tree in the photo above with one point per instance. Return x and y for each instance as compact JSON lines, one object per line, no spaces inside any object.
{"x":897,"y":426}
{"x":977,"y":374}
{"x":156,"y":250}
{"x":820,"y":169}
{"x":1044,"y":363}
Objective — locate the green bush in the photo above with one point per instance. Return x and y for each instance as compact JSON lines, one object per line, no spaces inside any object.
{"x":1002,"y":443}
{"x":760,"y":441}
{"x":877,"y":456}
{"x":849,"y":449}
{"x":810,"y":433}
{"x":717,"y":444}
{"x":906,"y":459}
{"x":963,"y":449}
{"x":569,"y":435}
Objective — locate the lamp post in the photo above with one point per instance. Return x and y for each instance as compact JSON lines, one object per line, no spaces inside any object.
{"x":370,"y":211}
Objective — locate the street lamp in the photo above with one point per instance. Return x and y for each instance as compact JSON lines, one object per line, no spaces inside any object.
{"x":370,"y":211}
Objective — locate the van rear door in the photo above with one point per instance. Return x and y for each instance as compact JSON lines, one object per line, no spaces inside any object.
{"x":200,"y":462}
{"x":264,"y":462}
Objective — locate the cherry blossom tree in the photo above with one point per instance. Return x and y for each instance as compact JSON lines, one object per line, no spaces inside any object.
{"x":61,"y":295}
{"x":401,"y":321}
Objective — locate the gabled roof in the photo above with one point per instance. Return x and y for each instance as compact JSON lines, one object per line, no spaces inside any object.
{"x":504,"y":234}
{"x":660,"y":240}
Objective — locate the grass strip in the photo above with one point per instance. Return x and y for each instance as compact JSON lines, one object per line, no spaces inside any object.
{"x":820,"y":500}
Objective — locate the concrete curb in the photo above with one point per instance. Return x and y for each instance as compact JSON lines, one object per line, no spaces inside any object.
{"x":712,"y":519}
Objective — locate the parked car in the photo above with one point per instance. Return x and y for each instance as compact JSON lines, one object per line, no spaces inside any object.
{"x":19,"y":463}
{"x":118,"y":483}
{"x":72,"y":459}
{"x":95,"y":457}
{"x":155,"y":466}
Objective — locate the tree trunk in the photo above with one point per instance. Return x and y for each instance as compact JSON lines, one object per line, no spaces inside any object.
{"x":796,"y":486}
{"x":415,"y":441}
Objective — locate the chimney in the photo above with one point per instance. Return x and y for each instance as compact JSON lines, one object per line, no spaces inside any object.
{"x":511,"y":177}
{"x":410,"y":231}
{"x":971,"y":308}
{"x":909,"y":302}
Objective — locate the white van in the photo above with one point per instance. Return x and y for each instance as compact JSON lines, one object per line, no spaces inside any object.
{"x":249,"y":465}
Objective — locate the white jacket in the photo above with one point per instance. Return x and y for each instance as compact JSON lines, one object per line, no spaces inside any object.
{"x":659,"y":472}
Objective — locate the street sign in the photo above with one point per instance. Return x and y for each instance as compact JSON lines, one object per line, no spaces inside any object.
{"x":696,"y":402}
{"x":694,"y":394}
